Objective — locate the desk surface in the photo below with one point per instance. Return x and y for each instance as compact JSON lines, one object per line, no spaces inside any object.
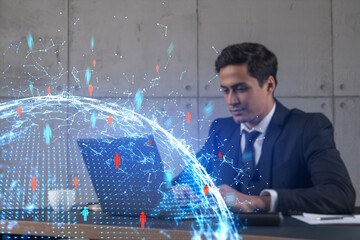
{"x":71,"y":224}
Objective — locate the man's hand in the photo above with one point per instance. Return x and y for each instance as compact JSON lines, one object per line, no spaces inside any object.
{"x":239,"y":202}
{"x":184,"y":194}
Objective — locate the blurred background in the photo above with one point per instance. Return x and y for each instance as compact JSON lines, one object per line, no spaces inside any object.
{"x":163,"y":51}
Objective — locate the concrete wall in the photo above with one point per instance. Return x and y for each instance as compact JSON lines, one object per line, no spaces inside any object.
{"x":317,"y":44}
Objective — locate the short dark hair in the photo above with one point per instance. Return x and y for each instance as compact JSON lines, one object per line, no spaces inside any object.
{"x":261,"y":62}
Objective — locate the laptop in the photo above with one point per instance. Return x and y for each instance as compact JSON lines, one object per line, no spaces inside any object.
{"x":137,"y":182}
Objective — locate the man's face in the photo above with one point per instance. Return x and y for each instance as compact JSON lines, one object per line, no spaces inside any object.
{"x":247,"y":101}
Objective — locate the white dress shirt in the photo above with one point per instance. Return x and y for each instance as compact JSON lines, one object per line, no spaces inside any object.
{"x":261,"y":127}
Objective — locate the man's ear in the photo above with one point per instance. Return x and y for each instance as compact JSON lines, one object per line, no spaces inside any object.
{"x":270,"y":84}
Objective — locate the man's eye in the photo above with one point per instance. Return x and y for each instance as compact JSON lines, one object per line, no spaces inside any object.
{"x":241,"y":89}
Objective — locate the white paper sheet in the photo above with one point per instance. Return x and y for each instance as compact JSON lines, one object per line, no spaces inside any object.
{"x":318,"y":219}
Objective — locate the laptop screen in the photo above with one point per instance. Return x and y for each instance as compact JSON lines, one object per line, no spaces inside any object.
{"x":127,"y":173}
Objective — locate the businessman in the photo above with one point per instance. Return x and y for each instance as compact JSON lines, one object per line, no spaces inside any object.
{"x":276,"y":159}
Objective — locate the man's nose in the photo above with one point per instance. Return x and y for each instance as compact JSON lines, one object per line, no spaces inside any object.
{"x":232,"y":98}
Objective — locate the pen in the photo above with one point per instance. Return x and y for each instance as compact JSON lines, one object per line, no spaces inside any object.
{"x":328,"y":218}
{"x":331,"y":218}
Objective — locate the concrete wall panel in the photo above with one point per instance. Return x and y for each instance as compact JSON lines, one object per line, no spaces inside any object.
{"x":298,"y":32}
{"x":129,"y":44}
{"x":347,"y":136}
{"x":346,"y":37}
{"x":47,"y":23}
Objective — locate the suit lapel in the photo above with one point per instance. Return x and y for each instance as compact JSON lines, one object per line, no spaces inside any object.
{"x":272,"y":133}
{"x":266,"y":157}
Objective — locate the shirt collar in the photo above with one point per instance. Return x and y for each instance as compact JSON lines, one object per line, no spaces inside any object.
{"x":263,"y":125}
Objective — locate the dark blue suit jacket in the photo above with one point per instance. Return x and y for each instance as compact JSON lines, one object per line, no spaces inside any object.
{"x":299,"y":160}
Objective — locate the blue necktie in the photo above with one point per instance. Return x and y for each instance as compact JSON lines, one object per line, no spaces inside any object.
{"x":248,"y":156}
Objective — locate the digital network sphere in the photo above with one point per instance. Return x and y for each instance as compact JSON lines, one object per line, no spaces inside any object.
{"x":41,"y":140}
